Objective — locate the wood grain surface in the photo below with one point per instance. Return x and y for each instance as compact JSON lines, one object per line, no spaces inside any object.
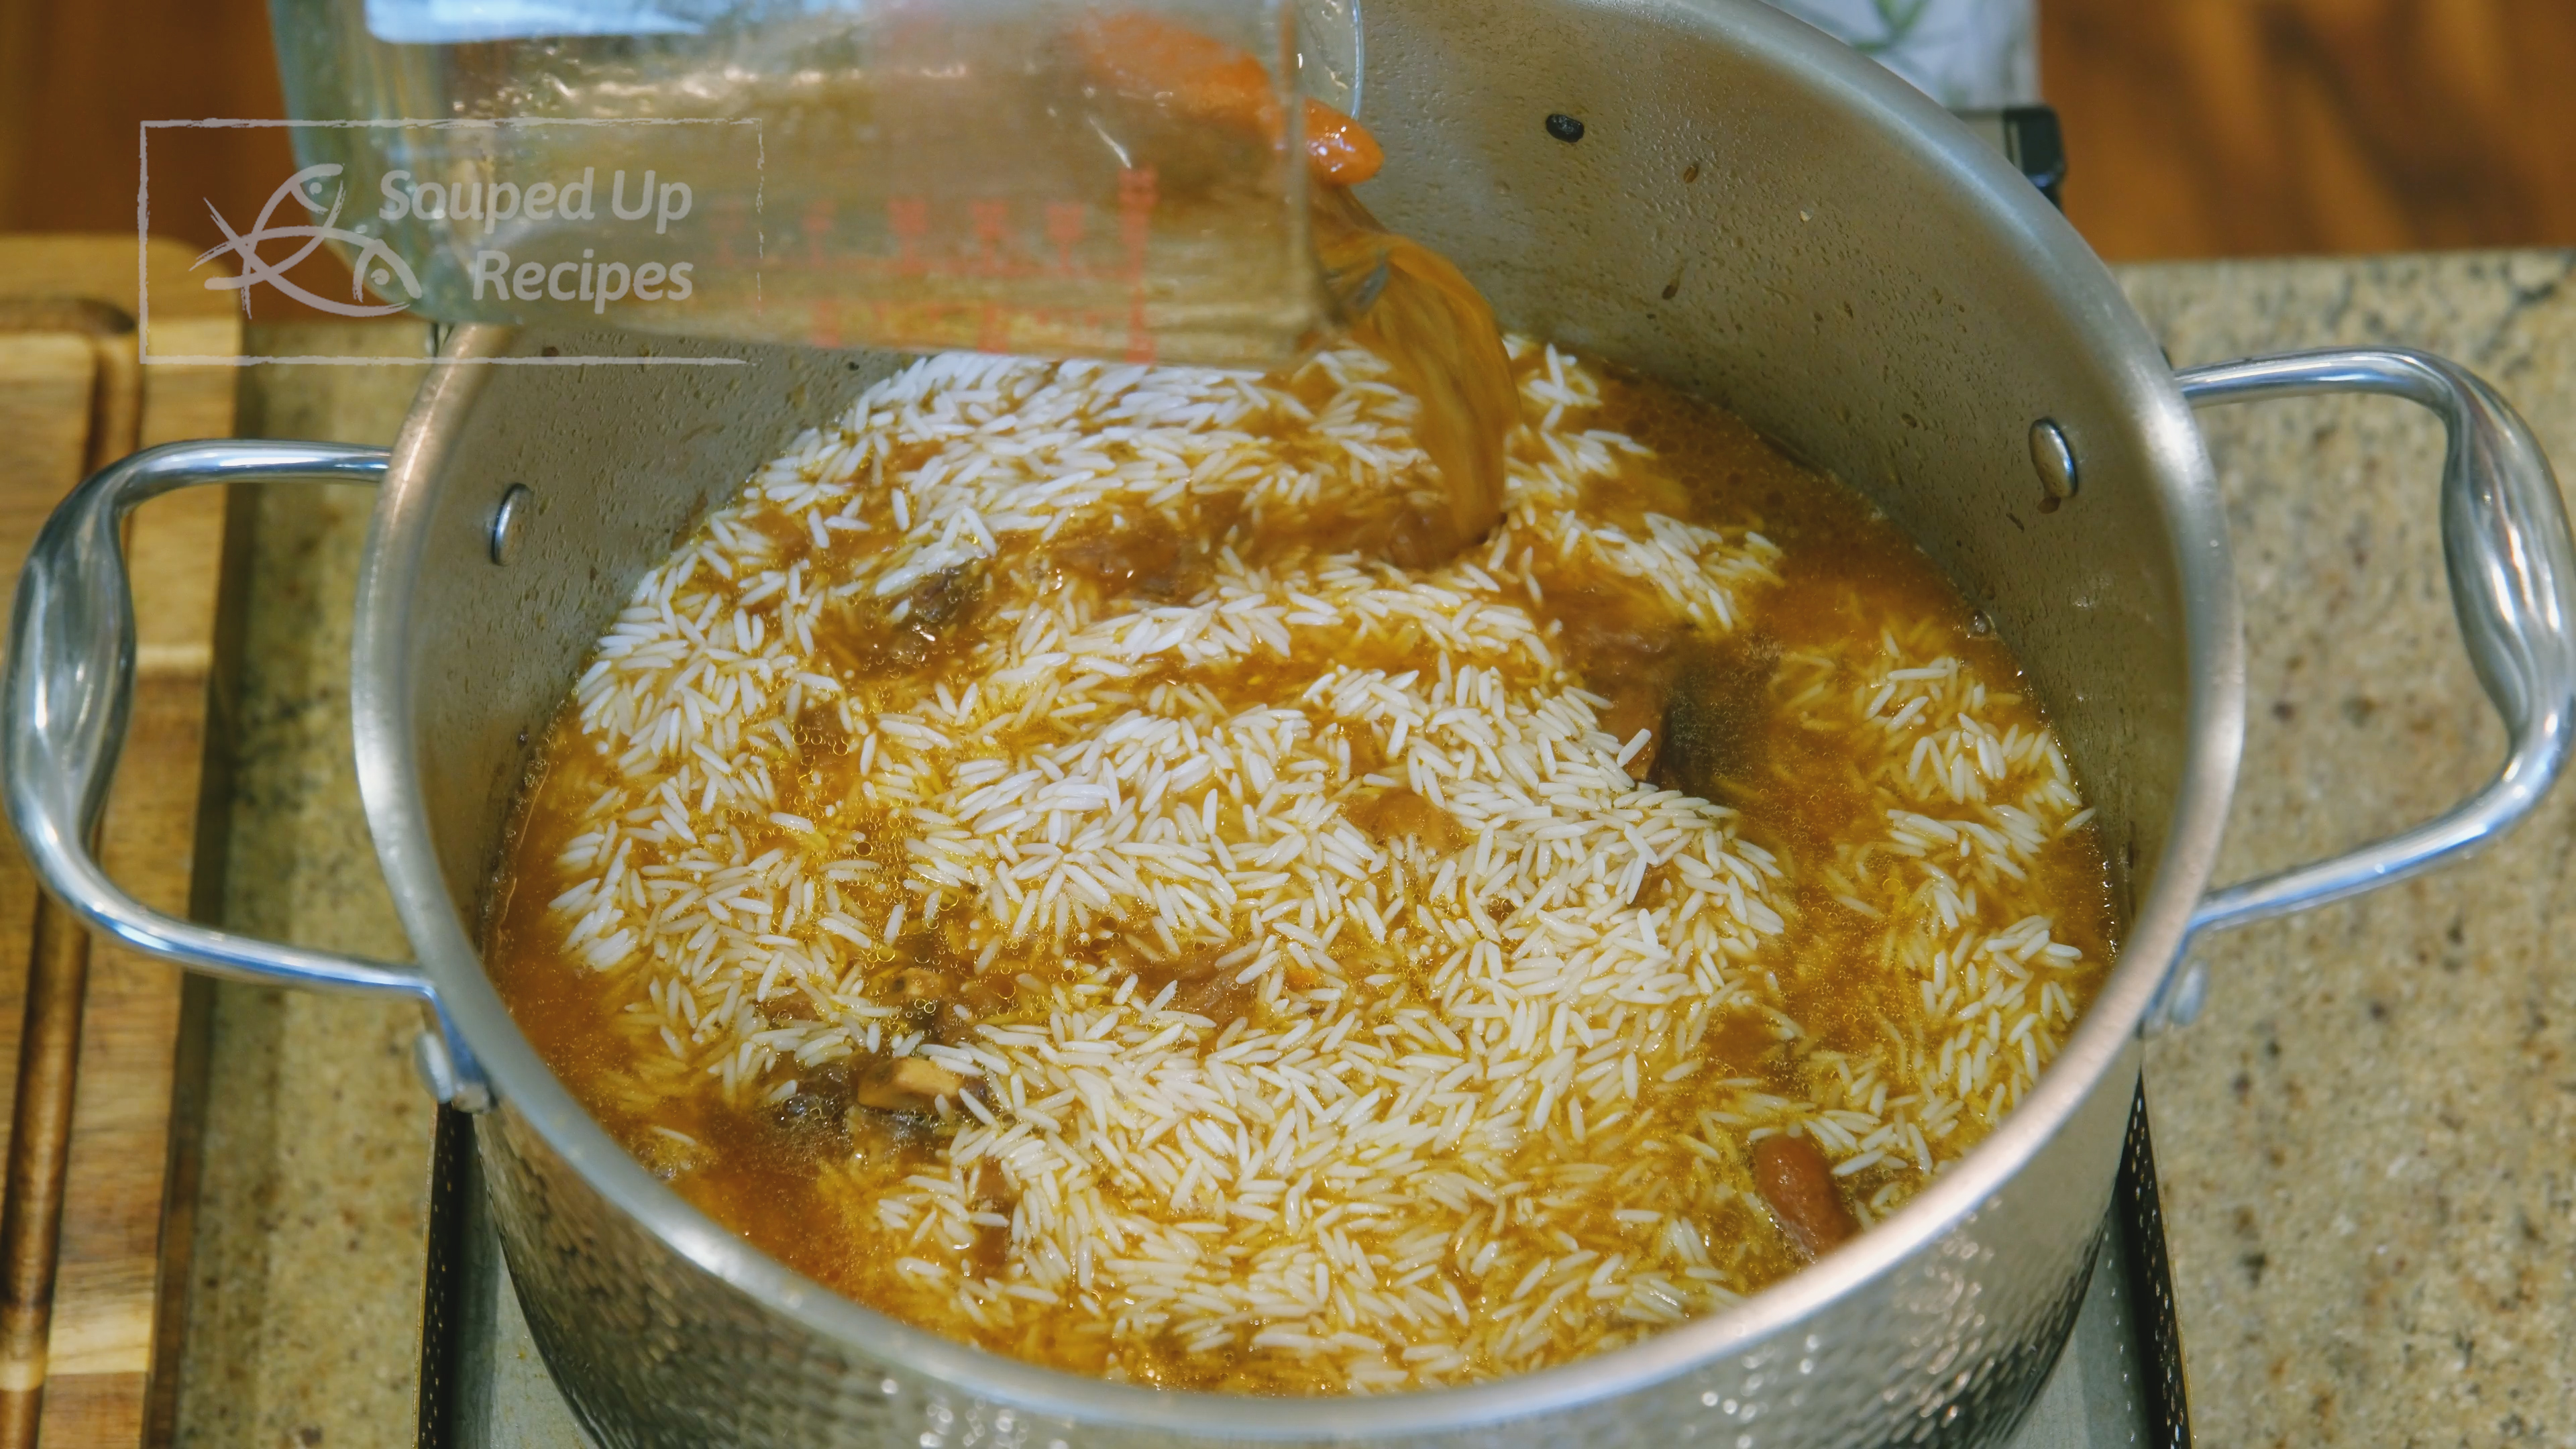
{"x":2197,"y":127}
{"x":2202,"y":128}
{"x":77,"y":81}
{"x":72,"y":396}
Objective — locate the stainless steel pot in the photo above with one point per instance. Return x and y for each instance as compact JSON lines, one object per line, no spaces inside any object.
{"x":1752,"y":213}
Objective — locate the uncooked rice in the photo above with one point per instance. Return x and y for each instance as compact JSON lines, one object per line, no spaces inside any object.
{"x":1467,"y":1123}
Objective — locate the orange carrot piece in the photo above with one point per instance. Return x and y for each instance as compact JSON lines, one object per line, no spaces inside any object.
{"x":1339,"y":151}
{"x":1198,"y":78}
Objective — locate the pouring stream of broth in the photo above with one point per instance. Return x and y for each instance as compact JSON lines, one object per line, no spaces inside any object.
{"x":1401,"y":300}
{"x":1412,"y":307}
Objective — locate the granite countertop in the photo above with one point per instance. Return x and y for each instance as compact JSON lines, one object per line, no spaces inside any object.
{"x":2364,"y":1142}
{"x":304,"y":1288}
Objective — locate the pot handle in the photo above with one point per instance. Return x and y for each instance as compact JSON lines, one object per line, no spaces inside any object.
{"x":2513,"y":586}
{"x":64,"y":706}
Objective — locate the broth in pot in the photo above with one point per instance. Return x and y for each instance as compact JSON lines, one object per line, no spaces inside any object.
{"x":1036,"y":864}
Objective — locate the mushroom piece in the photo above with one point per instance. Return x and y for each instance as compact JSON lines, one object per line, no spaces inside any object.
{"x":922,"y":983}
{"x":913,"y":1084}
{"x":988,"y":1255}
{"x":1400,"y":814}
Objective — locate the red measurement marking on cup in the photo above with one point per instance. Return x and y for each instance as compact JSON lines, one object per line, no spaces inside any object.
{"x":977,"y":244}
{"x":909,"y":218}
{"x":732,"y":223}
{"x":818,"y":231}
{"x":992,"y":221}
{"x":993,"y":241}
{"x":1064,"y":227}
{"x":1136,"y":197}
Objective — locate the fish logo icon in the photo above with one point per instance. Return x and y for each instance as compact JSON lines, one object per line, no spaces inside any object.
{"x":371,"y":262}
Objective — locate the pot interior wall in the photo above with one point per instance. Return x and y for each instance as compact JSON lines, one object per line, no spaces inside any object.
{"x":621,"y":462}
{"x":1817,"y":257}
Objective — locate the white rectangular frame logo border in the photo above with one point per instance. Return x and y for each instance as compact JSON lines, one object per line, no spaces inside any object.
{"x":143,"y":232}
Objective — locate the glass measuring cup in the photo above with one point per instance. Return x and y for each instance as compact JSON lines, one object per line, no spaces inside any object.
{"x":888,"y":173}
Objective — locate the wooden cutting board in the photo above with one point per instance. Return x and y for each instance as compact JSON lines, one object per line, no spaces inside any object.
{"x":73,"y":397}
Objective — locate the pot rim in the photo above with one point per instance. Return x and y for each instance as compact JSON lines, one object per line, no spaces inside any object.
{"x":2032,"y":232}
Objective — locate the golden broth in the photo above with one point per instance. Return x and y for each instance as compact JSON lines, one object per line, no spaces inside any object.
{"x":1763,"y":717}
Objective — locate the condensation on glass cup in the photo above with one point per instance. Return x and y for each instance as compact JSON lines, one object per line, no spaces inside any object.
{"x":1030,"y":176}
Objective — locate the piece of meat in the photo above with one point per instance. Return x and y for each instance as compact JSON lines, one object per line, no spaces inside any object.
{"x":820,"y":1103}
{"x":1635,"y":705}
{"x":790,"y":1006}
{"x":1400,"y":814}
{"x":939,"y":1002}
{"x":912,"y":1085}
{"x":1625,"y":644}
{"x":1153,"y":558}
{"x":940,"y":599}
{"x":863,"y":639}
{"x":983,"y":996}
{"x":1714,"y":716}
{"x":1797,"y":1182}
{"x":1217,"y":996}
{"x":1198,"y":987}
